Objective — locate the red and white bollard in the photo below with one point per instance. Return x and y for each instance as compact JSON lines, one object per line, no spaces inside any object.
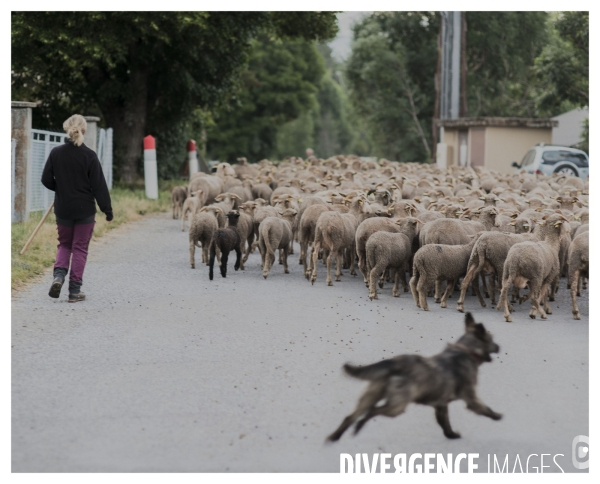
{"x":192,"y":157}
{"x":150,"y":170}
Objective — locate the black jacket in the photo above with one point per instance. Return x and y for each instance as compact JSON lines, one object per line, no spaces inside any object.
{"x":75,"y":175}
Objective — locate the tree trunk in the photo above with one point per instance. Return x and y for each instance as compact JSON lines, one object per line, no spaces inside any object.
{"x":128,"y":121}
{"x":413,"y":111}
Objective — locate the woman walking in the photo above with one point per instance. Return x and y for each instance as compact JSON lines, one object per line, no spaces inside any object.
{"x":74,"y":174}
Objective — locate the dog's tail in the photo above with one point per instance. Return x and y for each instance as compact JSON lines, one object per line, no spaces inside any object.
{"x":370,"y":372}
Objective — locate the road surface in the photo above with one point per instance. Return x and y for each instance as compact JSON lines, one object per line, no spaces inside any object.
{"x":162,"y":370}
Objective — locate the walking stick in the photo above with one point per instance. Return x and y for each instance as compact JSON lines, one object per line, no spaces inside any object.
{"x":37,"y":229}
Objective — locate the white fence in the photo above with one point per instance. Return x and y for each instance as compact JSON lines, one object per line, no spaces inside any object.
{"x":13,"y":191}
{"x":105,"y":154}
{"x":38,"y":196}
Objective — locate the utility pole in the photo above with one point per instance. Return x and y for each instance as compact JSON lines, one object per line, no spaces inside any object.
{"x":450,"y":75}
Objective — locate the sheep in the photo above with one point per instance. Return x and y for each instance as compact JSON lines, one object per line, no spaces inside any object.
{"x":275,"y":233}
{"x":210,"y":184}
{"x":245,"y":227}
{"x":226,"y":240}
{"x":579,"y":266}
{"x":227,"y":201}
{"x":489,"y":253}
{"x":247,"y":217}
{"x":389,"y":250}
{"x":522,"y":224}
{"x":178,"y":196}
{"x":262,"y":190}
{"x":582,"y":229}
{"x":363,"y":232}
{"x":231,"y":182}
{"x":279,"y":191}
{"x":224,"y":170}
{"x":438,"y":262}
{"x":535,"y":264}
{"x":306,"y":232}
{"x":335,"y":232}
{"x":456,"y":232}
{"x":243,"y":168}
{"x":202,"y":229}
{"x":261,"y":213}
{"x":428,"y":216}
{"x":192,"y":204}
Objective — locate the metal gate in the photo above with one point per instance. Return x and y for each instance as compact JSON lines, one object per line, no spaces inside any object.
{"x":13,"y":158}
{"x":38,"y":196}
{"x":105,"y":154}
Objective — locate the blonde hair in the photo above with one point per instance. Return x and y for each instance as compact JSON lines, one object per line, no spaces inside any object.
{"x":75,"y":128}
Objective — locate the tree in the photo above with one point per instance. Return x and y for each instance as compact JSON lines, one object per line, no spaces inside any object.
{"x":562,"y":68}
{"x":279,"y":86}
{"x":501,"y":50}
{"x":141,"y":69}
{"x":326,"y":128}
{"x":390,"y":75}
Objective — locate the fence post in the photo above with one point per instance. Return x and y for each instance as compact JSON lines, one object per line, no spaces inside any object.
{"x":21,"y":131}
{"x":91,"y":133}
{"x":150,"y":169}
{"x":192,"y":157}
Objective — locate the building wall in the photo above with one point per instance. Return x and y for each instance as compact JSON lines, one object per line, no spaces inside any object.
{"x":477,"y":147}
{"x":505,"y":145}
{"x":570,"y":125}
{"x":451,"y":139}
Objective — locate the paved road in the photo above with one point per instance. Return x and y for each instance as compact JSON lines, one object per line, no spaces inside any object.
{"x":163,"y":370}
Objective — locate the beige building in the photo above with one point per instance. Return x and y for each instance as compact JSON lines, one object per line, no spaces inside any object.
{"x":491,"y":142}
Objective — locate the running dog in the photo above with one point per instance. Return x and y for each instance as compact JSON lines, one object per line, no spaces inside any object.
{"x":435,"y":381}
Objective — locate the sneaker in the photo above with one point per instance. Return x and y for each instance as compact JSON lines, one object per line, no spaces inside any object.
{"x":76,"y":297}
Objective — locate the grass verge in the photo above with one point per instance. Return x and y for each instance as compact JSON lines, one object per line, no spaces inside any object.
{"x":129,"y":204}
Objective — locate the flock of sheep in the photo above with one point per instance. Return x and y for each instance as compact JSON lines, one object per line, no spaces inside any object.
{"x":507,"y":232}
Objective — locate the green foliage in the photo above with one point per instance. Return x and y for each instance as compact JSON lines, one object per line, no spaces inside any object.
{"x":501,"y":49}
{"x":279,"y":85}
{"x":141,"y":71}
{"x":563,"y":66}
{"x":585,"y":137}
{"x":390,"y":75}
{"x":295,"y":137}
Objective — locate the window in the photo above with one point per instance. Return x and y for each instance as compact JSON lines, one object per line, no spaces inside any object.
{"x":528,"y":158}
{"x":552,"y":157}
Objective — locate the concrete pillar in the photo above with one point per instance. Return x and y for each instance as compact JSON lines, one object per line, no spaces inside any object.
{"x":91,"y":133}
{"x":21,"y":131}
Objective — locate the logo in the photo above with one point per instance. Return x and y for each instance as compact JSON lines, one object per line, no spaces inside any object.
{"x":581,"y":452}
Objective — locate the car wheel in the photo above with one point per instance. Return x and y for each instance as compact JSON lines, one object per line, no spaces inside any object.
{"x":566,"y":170}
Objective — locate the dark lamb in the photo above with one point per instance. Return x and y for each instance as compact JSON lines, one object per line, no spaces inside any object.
{"x":226,"y":239}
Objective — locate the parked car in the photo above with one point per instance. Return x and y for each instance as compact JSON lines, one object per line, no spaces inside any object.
{"x":549,"y":159}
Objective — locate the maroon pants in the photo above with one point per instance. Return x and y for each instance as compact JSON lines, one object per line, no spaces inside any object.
{"x":73,"y":241}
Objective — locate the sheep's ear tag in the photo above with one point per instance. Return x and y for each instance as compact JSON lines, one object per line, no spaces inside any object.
{"x":360,"y":201}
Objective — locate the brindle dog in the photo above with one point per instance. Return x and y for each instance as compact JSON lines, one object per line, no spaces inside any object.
{"x":435,"y":381}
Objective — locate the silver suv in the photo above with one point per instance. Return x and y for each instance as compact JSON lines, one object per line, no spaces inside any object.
{"x":549,"y":159}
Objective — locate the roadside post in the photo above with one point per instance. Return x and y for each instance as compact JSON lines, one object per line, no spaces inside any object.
{"x":150,"y":171}
{"x":192,"y":157}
